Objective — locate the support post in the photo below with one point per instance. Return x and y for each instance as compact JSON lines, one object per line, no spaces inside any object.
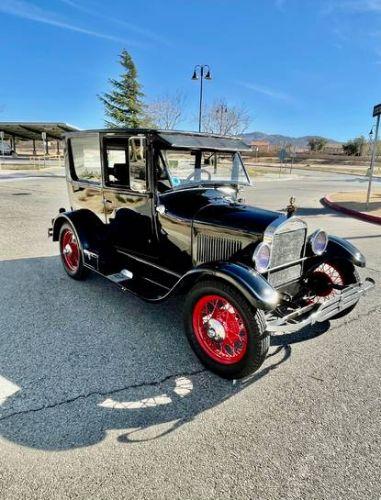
{"x":372,"y":162}
{"x":34,"y":147}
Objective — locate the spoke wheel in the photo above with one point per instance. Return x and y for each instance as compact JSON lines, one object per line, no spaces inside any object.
{"x":70,"y":250}
{"x":225,"y":331}
{"x":323,"y":280}
{"x":220,"y":329}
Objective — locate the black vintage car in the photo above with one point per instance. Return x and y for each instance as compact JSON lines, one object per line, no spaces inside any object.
{"x":159,"y":213}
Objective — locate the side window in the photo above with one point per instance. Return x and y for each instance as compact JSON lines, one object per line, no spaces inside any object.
{"x":126,"y":163}
{"x":86,"y":158}
{"x":137,"y":161}
{"x":117,"y":163}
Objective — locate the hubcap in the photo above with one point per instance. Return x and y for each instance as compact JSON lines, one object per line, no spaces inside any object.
{"x":219,"y":329}
{"x":70,"y":250}
{"x":215,"y":330}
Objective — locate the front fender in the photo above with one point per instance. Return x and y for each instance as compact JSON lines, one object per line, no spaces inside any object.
{"x":338,"y":247}
{"x":257,"y":291}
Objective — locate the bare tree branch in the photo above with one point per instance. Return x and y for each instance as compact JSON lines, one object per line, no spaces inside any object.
{"x":166,"y":111}
{"x":220,"y":118}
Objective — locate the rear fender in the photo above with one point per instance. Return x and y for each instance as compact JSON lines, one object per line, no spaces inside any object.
{"x":257,"y":291}
{"x":343,"y":249}
{"x":89,"y":229}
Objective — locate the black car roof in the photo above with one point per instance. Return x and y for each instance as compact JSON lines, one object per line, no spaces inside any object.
{"x":179,"y":138}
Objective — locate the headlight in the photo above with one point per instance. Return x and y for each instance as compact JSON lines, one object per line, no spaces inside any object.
{"x":261,"y":257}
{"x":319,"y":242}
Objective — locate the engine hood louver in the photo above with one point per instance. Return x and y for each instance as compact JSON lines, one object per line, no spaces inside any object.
{"x":211,"y":248}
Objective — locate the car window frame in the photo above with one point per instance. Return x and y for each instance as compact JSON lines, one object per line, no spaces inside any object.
{"x":72,"y":169}
{"x":105,"y":165}
{"x":206,"y":183}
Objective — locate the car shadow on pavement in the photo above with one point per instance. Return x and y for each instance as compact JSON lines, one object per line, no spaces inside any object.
{"x":81,"y":359}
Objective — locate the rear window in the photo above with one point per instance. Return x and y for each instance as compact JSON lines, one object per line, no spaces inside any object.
{"x":86,"y":158}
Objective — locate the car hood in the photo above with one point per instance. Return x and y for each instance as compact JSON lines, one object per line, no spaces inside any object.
{"x":235,"y":216}
{"x":212,"y":207}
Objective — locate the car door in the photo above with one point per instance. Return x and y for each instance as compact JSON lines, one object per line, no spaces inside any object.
{"x":127,"y":195}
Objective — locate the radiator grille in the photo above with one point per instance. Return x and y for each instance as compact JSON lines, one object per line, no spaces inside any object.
{"x":282,"y":276}
{"x":288,"y":247}
{"x":212,"y":248}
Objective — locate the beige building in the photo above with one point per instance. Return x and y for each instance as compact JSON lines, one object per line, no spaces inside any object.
{"x":263,"y":146}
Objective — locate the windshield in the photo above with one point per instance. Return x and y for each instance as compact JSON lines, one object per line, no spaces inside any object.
{"x":186,"y":168}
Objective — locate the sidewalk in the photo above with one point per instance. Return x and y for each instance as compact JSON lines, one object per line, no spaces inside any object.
{"x":354,"y":204}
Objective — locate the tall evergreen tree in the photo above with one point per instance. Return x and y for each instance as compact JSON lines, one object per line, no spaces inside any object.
{"x":123,"y":104}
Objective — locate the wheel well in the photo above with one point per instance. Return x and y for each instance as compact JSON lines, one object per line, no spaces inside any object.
{"x":57,"y":227}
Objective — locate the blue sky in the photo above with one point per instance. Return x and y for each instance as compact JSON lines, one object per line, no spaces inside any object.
{"x":300,"y":66}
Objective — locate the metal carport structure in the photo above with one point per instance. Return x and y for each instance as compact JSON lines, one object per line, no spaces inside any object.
{"x":34,"y":131}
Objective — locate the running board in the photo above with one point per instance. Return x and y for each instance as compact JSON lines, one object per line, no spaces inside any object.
{"x":129,"y":281}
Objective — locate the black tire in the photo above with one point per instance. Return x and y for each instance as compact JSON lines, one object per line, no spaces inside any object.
{"x":349,"y":275}
{"x":80,"y":272}
{"x":258,"y":340}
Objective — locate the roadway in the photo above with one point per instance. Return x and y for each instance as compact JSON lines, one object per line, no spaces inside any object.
{"x":101,"y":396}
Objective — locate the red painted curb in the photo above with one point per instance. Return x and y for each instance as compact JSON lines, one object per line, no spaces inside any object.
{"x":375,"y":219}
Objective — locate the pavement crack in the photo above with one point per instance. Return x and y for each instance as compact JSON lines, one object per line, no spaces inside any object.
{"x":103,"y":393}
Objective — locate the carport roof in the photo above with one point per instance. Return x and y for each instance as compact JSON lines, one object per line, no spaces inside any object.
{"x":32,"y":130}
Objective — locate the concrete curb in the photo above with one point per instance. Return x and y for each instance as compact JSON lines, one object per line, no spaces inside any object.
{"x":374,"y":219}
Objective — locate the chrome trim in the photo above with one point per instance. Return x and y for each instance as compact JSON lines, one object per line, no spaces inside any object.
{"x":278,"y":226}
{"x":288,"y":264}
{"x":90,"y":254}
{"x":313,"y":237}
{"x":348,"y":297}
{"x":255,"y":255}
{"x":278,"y":223}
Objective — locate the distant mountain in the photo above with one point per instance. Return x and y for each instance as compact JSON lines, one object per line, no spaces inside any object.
{"x":277,"y":139}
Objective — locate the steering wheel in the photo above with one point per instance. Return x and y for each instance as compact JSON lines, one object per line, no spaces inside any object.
{"x":201,"y":170}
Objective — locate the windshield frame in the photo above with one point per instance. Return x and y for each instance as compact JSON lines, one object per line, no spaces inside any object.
{"x":202,"y":182}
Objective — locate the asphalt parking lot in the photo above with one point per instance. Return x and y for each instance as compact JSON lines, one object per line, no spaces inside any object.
{"x":101,"y":396}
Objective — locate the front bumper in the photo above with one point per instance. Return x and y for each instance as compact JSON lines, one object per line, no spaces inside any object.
{"x":316,"y":313}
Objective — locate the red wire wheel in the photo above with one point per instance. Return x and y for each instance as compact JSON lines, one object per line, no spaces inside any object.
{"x":219,"y":329}
{"x":324,"y":278}
{"x":70,"y":250}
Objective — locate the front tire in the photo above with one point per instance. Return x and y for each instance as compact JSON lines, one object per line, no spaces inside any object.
{"x":335,"y":272}
{"x":227,"y":334}
{"x":71,"y":254}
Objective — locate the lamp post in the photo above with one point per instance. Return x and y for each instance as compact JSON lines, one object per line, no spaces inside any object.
{"x":371,"y":139}
{"x":201,"y":72}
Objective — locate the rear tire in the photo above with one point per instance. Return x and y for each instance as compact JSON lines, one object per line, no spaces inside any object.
{"x":227,"y":334}
{"x":71,"y":252}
